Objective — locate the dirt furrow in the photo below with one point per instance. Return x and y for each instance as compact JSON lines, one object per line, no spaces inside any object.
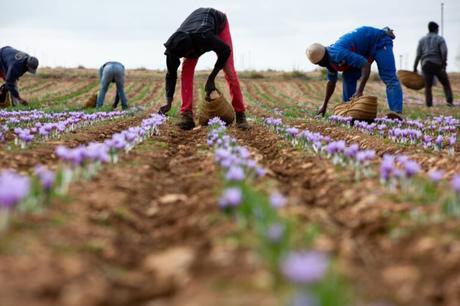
{"x":358,"y":220}
{"x":43,"y":152}
{"x":429,"y":160}
{"x":138,"y":232}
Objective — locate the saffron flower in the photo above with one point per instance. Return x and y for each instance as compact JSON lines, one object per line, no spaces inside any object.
{"x":275,"y":232}
{"x":277,"y":200}
{"x":231,"y":197}
{"x":46,"y":177}
{"x":436,"y":176}
{"x":235,"y":173}
{"x":13,"y":188}
{"x":305,"y":267}
{"x":455,"y":183}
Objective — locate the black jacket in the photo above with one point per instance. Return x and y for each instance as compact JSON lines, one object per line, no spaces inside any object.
{"x":13,"y":65}
{"x":203,"y":20}
{"x":198,"y":34}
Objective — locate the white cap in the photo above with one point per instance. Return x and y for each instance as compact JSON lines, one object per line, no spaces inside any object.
{"x":315,"y":53}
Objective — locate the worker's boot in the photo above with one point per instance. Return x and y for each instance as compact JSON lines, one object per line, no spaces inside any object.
{"x":3,"y":94}
{"x":395,"y":116}
{"x":241,"y":121}
{"x":186,"y":121}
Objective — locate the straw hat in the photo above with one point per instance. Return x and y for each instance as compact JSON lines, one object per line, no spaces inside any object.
{"x":315,"y":53}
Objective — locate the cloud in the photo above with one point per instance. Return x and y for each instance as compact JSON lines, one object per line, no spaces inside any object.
{"x":266,"y":33}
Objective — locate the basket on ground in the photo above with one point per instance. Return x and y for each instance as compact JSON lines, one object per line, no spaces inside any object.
{"x":91,"y":103}
{"x":215,"y":105}
{"x":362,"y":108}
{"x":411,"y":80}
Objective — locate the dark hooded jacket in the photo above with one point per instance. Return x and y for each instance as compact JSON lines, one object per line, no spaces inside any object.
{"x":198,"y":34}
{"x":13,"y":65}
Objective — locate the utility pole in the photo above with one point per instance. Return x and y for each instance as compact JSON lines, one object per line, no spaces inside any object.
{"x":442,"y":18}
{"x":401,"y":61}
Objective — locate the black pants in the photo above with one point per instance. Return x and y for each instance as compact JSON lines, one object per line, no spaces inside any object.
{"x":430,"y":71}
{"x":3,"y":92}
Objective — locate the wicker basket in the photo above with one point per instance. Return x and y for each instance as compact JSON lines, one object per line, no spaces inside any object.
{"x":91,"y":103}
{"x":215,"y":105}
{"x":341,"y":109}
{"x":363,"y":108}
{"x":411,"y":79}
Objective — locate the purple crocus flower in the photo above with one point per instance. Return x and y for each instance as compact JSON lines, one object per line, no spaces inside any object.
{"x":402,"y":159}
{"x":292,"y":131}
{"x":387,"y":167}
{"x":305,"y":267}
{"x":277,"y":200}
{"x":351,"y":151}
{"x":439,"y":141}
{"x":62,"y":153}
{"x":275,"y":232}
{"x":336,"y":147}
{"x":364,"y":156}
{"x":235,"y":174}
{"x":411,"y":168}
{"x":231,"y":197}
{"x":455,"y":183}
{"x":260,"y":172}
{"x":13,"y":188}
{"x":398,"y":173}
{"x":436,"y":176}
{"x":46,"y":177}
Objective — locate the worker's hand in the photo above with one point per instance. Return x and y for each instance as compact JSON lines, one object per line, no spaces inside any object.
{"x":322,"y":111}
{"x":210,"y":86}
{"x":358,"y":94}
{"x":165,"y":108}
{"x":389,"y":32}
{"x":23,"y":102}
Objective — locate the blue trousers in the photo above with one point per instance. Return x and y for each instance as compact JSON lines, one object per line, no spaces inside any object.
{"x":113,"y":73}
{"x":385,"y":60}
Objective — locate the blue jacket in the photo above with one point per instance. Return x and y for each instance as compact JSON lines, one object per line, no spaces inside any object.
{"x":13,"y":65}
{"x":355,"y":49}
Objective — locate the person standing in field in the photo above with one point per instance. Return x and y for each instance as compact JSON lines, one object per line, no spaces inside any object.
{"x":432,"y":52}
{"x":13,"y":65}
{"x":353,"y":55}
{"x":206,"y":29}
{"x":112,"y":72}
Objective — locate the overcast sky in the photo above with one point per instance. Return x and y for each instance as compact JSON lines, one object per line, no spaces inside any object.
{"x":266,"y":33}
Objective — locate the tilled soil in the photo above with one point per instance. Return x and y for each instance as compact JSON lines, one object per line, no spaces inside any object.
{"x":137,"y":233}
{"x":43,"y":152}
{"x":147,"y":231}
{"x":429,"y":160}
{"x":421,"y":267}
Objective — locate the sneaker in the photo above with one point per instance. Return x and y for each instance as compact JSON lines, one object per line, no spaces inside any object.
{"x":395,"y":116}
{"x":186,"y":121}
{"x":241,"y":121}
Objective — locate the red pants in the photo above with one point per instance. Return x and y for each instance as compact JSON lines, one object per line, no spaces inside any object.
{"x":188,"y":71}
